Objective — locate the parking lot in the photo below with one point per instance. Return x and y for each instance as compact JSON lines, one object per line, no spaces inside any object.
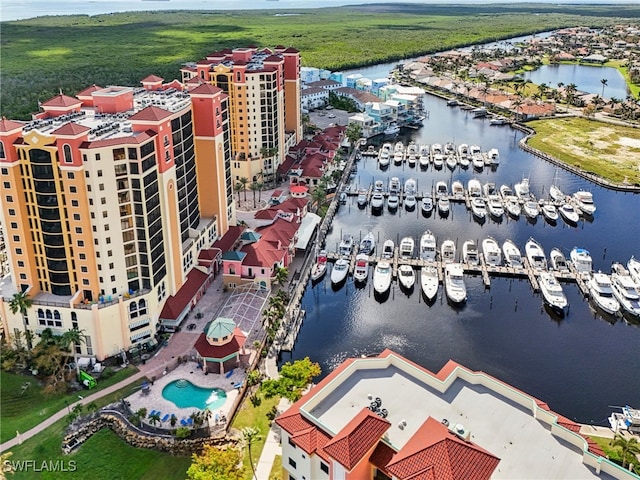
{"x":326,"y":118}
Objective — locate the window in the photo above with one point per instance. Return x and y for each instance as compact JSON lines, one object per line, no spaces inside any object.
{"x":78,"y":230}
{"x":76,"y":216}
{"x":292,"y":462}
{"x":81,"y":243}
{"x":23,"y":276}
{"x":97,"y":156}
{"x":14,"y":225}
{"x":291,"y":443}
{"x":71,"y":175}
{"x":324,"y":467}
{"x":84,"y":269}
{"x":75,"y":203}
{"x":20,"y":263}
{"x":7,"y":185}
{"x":12,"y":212}
{"x":16,"y":238}
{"x":101,"y":187}
{"x":113,"y":278}
{"x":99,"y":172}
{"x":2,"y":155}
{"x":73,"y":189}
{"x":103,"y":201}
{"x":68,"y":158}
{"x":83,"y":256}
{"x":18,"y":251}
{"x":9,"y":199}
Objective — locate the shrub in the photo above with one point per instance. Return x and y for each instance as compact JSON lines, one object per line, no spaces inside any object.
{"x":183,"y":432}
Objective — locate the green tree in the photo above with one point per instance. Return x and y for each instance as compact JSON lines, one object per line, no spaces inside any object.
{"x":244,"y":181}
{"x":629,"y":448}
{"x":154,"y":418}
{"x":251,"y":435}
{"x":353,"y":133}
{"x":215,"y":464}
{"x":20,"y":302}
{"x":318,"y":196}
{"x":254,"y":377}
{"x":238,"y":188}
{"x":604,"y":82}
{"x":294,"y":378}
{"x":282,"y":274}
{"x":255,"y":186}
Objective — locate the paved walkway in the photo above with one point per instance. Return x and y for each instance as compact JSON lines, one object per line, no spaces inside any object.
{"x":272,"y":446}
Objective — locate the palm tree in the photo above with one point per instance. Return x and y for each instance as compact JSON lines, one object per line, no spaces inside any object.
{"x":318,"y":196}
{"x":543,"y":89}
{"x":571,"y":90}
{"x":604,"y":82}
{"x":255,"y":186}
{"x":20,"y":302}
{"x":282,"y":274}
{"x":353,"y":133}
{"x":154,"y":418}
{"x":250,"y":435}
{"x":238,"y":188}
{"x":517,"y":103}
{"x":629,"y":447}
{"x":244,"y":181}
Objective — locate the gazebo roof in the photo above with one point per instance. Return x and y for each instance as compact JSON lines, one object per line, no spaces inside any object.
{"x":221,"y":327}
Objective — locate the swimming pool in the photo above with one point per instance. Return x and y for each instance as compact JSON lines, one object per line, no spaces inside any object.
{"x":185,"y":394}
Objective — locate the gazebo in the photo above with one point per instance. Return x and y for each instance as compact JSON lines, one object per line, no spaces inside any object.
{"x":220,"y":347}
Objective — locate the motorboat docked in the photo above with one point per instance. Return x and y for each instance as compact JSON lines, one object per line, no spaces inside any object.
{"x":442,"y":190}
{"x":343,"y":198}
{"x":340,"y":271}
{"x":558,"y":260}
{"x":512,"y":255}
{"x":452,"y":162}
{"x":584,"y":201}
{"x":448,"y":251}
{"x":444,"y":205}
{"x":552,"y":293}
{"x":398,"y":153}
{"x":477,"y":160}
{"x":569,"y":214}
{"x":530,"y":209}
{"x":436,"y":149}
{"x":382,"y":277}
{"x":361,"y":270}
{"x":555,"y":193}
{"x":479,"y":112}
{"x":494,"y":156}
{"x":378,"y":185}
{"x":522,"y":189}
{"x":410,"y":201}
{"x":377,"y":201}
{"x":498,"y":121}
{"x":464,"y":161}
{"x":463,"y":150}
{"x":410,"y":186}
{"x":489,"y":189}
{"x":392,"y":129}
{"x":457,"y":191}
{"x":429,"y":281}
{"x":425,"y":157}
{"x":454,"y":283}
{"x":428,"y":246}
{"x":601,"y":292}
{"x":535,"y":255}
{"x":394,"y":185}
{"x":625,"y":290}
{"x":384,"y":159}
{"x":549,"y":211}
{"x":474,"y":188}
{"x":438,"y":160}
{"x":449,"y":148}
{"x":470,"y":253}
{"x":346,"y":245}
{"x":478,"y":207}
{"x":581,"y":259}
{"x":407,"y":244}
{"x":387,"y":249}
{"x":368,"y":244}
{"x":491,"y":252}
{"x":320,"y":267}
{"x":634,"y":269}
{"x":412,"y":154}
{"x":495,"y":207}
{"x":362,"y":198}
{"x":628,"y":419}
{"x":427,"y":204}
{"x":512,"y":206}
{"x":406,"y":276}
{"x":452,"y":102}
{"x":505,"y":191}
{"x":393,"y":201}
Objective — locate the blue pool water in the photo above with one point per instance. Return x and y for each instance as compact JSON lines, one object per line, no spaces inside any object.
{"x":185,"y":394}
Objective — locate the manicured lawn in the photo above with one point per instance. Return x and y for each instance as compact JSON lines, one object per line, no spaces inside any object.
{"x":609,"y":151}
{"x":276,"y":470}
{"x":23,"y":410}
{"x":612,"y":452}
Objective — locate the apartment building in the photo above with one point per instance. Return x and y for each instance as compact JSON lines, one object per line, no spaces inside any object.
{"x":263,"y":88}
{"x":108,"y":198}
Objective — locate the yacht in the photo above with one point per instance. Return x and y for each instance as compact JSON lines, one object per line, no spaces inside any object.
{"x":530,"y":209}
{"x":558,"y":260}
{"x":406,"y":276}
{"x":569,"y":214}
{"x":489,"y":189}
{"x":393,"y":201}
{"x":493,"y":156}
{"x":550,"y":212}
{"x":320,"y":267}
{"x":429,"y":281}
{"x":438,"y":160}
{"x":392,"y":129}
{"x":491,"y":252}
{"x":442,"y":190}
{"x":382,"y":277}
{"x":449,"y":148}
{"x":474,"y":189}
{"x":477,"y":160}
{"x":362,"y":198}
{"x":505,"y":191}
{"x":478,"y":207}
{"x":584,"y":201}
{"x":495,"y":206}
{"x":512,"y":206}
{"x":464,"y":161}
{"x":512,"y":255}
{"x":424,"y":158}
{"x":340,"y":271}
{"x":522,"y":189}
{"x":552,"y":293}
{"x":463,"y":150}
{"x":475,"y":150}
{"x":378,"y":185}
{"x":410,"y":202}
{"x":427,"y":204}
{"x":410,"y":186}
{"x":454,"y":283}
{"x":457,"y":190}
{"x":535,"y":255}
{"x":398,"y":152}
{"x":387,"y":249}
{"x":377,"y":201}
{"x":361,"y":270}
{"x":368,"y":244}
{"x":581,"y":259}
{"x":444,"y":205}
{"x":384,"y":158}
{"x":451,"y":162}
{"x":470,"y":253}
{"x":428,"y":246}
{"x":634,"y":269}
{"x":412,"y":154}
{"x":346,"y":245}
{"x":601,"y":292}
{"x":555,"y":193}
{"x":448,"y":251}
{"x":394,"y":185}
{"x":407,"y":245}
{"x":436,"y":149}
{"x":625,"y":290}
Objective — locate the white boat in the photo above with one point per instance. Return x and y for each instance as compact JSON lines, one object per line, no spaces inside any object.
{"x":454,"y":283}
{"x":368,"y":244}
{"x":410,"y":186}
{"x":584,"y":201}
{"x":320,"y":267}
{"x":361,"y":270}
{"x":362,"y":198}
{"x":451,"y":162}
{"x":505,"y":191}
{"x":489,"y":189}
{"x":569,"y":214}
{"x":470,"y":253}
{"x":428,"y":246}
{"x":634,"y":269}
{"x":384,"y":157}
{"x":530,"y":209}
{"x":382,"y":277}
{"x":601,"y":292}
{"x":495,"y":206}
{"x":448,"y":251}
{"x":464,"y":161}
{"x":406,"y":276}
{"x":343,"y":198}
{"x":552,"y":293}
{"x":427,"y":204}
{"x":438,"y":160}
{"x":398,"y":153}
{"x":498,"y":121}
{"x":625,"y":290}
{"x":429,"y":281}
{"x":474,"y":188}
{"x":491,"y":252}
{"x":457,"y":190}
{"x":393,"y":201}
{"x":407,"y":245}
{"x":581,"y":259}
{"x":392,"y":129}
{"x":425,"y":157}
{"x":522,"y":189}
{"x":387,"y":249}
{"x":556,"y":194}
{"x":549,"y":211}
{"x":512,"y":255}
{"x":512,"y":206}
{"x":442,"y":190}
{"x":558,"y":260}
{"x":340,"y":271}
{"x":463,"y":150}
{"x":410,"y":201}
{"x":479,"y":112}
{"x":478,"y":207}
{"x":628,"y":419}
{"x":377,"y":201}
{"x":449,"y":148}
{"x":378,"y":185}
{"x":394,"y":185}
{"x":436,"y":149}
{"x":346,"y":245}
{"x":477,"y":160}
{"x":493,"y":155}
{"x":444,"y":205}
{"x":535,"y":255}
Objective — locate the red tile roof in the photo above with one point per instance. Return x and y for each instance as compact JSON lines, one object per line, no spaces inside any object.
{"x":9,"y":125}
{"x":176,"y":304}
{"x":151,"y":113}
{"x":88,"y":91}
{"x":357,"y":438}
{"x":281,"y":231}
{"x":230,"y":238}
{"x":152,"y":79}
{"x":70,"y":129}
{"x":205,"y":349}
{"x":205,"y":89}
{"x":209,"y":254}
{"x":290,"y":205}
{"x":262,"y":254}
{"x":61,"y":101}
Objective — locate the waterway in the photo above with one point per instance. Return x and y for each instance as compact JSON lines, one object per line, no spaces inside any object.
{"x":580,"y":365}
{"x":587,"y":78}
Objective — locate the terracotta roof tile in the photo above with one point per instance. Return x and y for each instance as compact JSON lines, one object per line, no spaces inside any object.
{"x":61,"y":101}
{"x":205,"y":349}
{"x":205,"y":89}
{"x":152,"y":79}
{"x":229,"y":239}
{"x":70,"y":129}
{"x":176,"y":304}
{"x":357,"y":437}
{"x":9,"y":125}
{"x":151,"y":113}
{"x":88,"y":91}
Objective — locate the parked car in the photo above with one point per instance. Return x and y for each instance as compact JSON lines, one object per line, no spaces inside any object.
{"x":332,"y":115}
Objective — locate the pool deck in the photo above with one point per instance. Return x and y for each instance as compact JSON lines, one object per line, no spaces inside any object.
{"x":153,"y":400}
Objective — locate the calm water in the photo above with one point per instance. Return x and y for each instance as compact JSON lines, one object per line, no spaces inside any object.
{"x":580,"y":365}
{"x":585,"y":77}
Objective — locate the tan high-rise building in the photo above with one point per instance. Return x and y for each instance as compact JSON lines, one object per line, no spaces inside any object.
{"x":107,"y":200}
{"x":264,"y":104}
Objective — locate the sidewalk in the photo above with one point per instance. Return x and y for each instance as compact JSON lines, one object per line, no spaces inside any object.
{"x":271,"y":446}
